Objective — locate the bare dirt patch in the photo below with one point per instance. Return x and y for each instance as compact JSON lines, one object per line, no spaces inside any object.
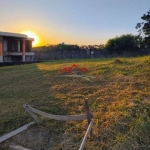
{"x":35,"y":138}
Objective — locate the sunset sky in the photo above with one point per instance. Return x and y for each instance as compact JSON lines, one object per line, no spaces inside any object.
{"x":82,"y":22}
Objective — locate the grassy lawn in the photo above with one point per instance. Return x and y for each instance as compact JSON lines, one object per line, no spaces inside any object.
{"x":119,"y":99}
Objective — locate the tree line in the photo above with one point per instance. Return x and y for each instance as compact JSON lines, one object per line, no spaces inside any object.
{"x":119,"y":44}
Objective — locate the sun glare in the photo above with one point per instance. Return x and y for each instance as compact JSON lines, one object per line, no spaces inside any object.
{"x":31,"y":34}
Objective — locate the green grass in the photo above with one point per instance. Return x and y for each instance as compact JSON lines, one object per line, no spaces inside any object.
{"x":119,"y":99}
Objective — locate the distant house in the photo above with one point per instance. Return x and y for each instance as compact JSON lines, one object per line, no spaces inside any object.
{"x":15,"y":47}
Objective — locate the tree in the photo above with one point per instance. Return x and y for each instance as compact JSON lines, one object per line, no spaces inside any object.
{"x":123,"y":43}
{"x":144,"y":28}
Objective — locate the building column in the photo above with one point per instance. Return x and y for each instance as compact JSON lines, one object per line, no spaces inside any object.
{"x":18,"y":45}
{"x":23,"y":50}
{"x":1,"y":49}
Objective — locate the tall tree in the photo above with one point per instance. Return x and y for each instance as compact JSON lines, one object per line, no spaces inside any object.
{"x":123,"y":43}
{"x":144,"y":27}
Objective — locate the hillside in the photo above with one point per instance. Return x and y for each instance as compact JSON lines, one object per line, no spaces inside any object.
{"x":119,"y":98}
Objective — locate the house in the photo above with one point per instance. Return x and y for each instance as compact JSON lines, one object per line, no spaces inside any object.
{"x":15,"y":47}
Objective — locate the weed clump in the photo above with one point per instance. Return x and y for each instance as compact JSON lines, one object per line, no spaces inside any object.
{"x":117,"y":61}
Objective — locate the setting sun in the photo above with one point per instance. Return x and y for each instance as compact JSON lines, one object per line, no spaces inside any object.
{"x":31,"y":34}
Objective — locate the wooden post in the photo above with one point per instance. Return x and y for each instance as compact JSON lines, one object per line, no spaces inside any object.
{"x":17,"y":147}
{"x":85,"y":136}
{"x":30,"y":112}
{"x":89,"y":115}
{"x":7,"y":136}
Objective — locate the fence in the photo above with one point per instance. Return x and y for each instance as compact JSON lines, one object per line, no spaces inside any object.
{"x":32,"y":111}
{"x":42,"y":54}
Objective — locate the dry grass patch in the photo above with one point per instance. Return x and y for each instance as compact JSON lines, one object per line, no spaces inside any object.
{"x":118,"y":96}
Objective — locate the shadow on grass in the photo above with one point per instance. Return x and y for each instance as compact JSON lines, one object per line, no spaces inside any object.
{"x":26,"y":84}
